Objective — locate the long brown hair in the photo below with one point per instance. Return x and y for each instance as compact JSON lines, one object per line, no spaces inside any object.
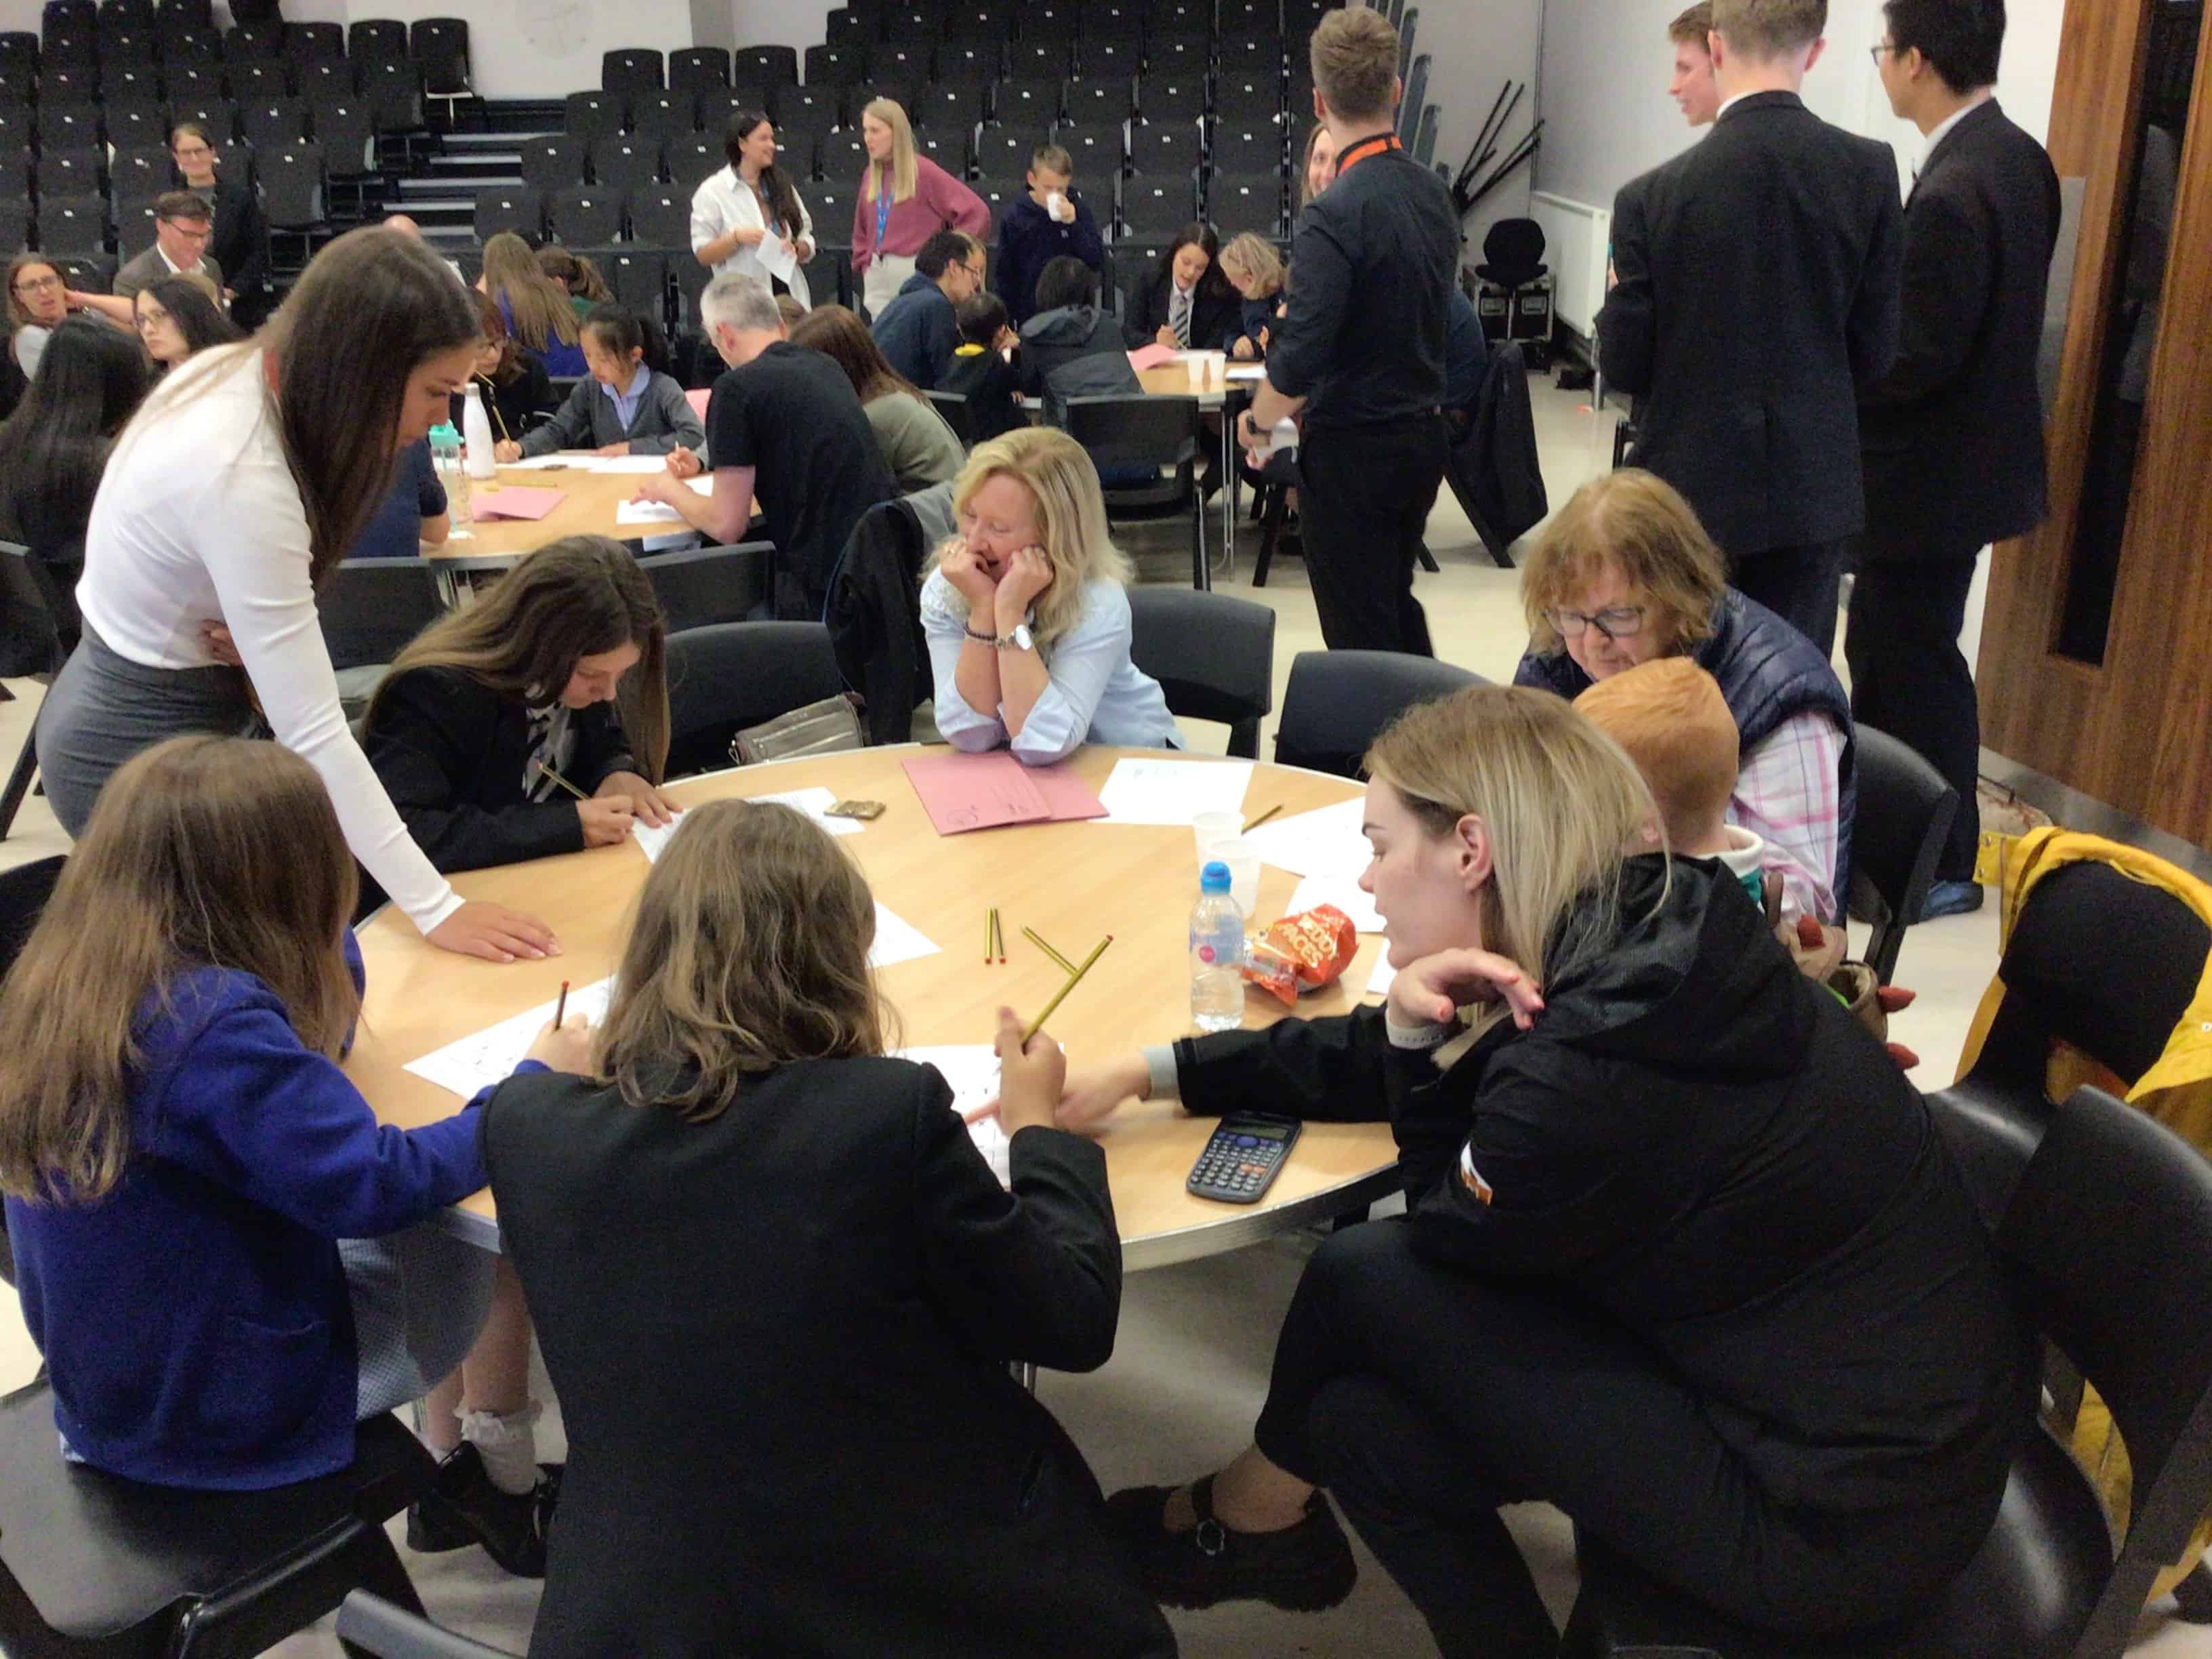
{"x":202,"y":852}
{"x":19,"y":315}
{"x":774,"y":183}
{"x":844,"y":339}
{"x":571,"y":598}
{"x":748,"y":951}
{"x":362,"y":319}
{"x":538,"y":305}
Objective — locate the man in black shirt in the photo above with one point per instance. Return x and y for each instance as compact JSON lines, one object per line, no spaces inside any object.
{"x":783,"y":426}
{"x":1361,"y":350}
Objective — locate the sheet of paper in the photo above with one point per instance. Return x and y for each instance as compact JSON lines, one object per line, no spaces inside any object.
{"x":1342,"y":891}
{"x":475,"y":1062}
{"x":1154,"y":355}
{"x":1173,"y":792}
{"x":972,"y":1070}
{"x":898,"y":940}
{"x":646,"y":512}
{"x":698,"y":398}
{"x":650,"y":838}
{"x":1379,"y":981}
{"x":1326,"y":841}
{"x":627,"y":464}
{"x":1246,"y":371}
{"x":779,"y":260}
{"x":548,"y":463}
{"x":975,"y":792}
{"x":514,"y":501}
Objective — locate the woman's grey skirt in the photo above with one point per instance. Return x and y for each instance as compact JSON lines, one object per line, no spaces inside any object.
{"x":103,"y":708}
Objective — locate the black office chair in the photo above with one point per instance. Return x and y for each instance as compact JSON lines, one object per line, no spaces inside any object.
{"x":510,"y":207}
{"x":372,"y":1625}
{"x":1904,"y":814}
{"x":35,"y":610}
{"x":1132,"y":432}
{"x":953,"y":406}
{"x":1337,"y":703}
{"x":701,"y":586}
{"x":92,"y":1563}
{"x":1213,"y":655}
{"x":724,"y":679}
{"x":370,"y":609}
{"x":2107,"y":1243}
{"x":1513,"y":272}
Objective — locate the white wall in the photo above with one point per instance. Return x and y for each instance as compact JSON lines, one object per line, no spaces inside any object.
{"x":1474,"y":47}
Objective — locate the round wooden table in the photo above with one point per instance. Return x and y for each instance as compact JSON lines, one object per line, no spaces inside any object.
{"x":589,"y":510}
{"x":1071,"y":882}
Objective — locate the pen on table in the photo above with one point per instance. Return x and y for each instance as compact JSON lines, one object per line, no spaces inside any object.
{"x":1074,"y":978}
{"x":1038,"y":939}
{"x":997,"y":935}
{"x":558,"y":779}
{"x":1263,"y":818}
{"x":561,"y":1007}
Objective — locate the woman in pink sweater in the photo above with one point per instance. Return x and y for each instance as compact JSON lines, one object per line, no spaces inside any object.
{"x":904,"y":200}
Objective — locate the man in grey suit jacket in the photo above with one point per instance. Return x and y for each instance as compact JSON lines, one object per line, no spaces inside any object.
{"x":183,"y":226}
{"x":1953,"y":435}
{"x":1758,"y":291}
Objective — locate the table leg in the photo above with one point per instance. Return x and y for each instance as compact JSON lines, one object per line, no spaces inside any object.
{"x":1229,"y":412}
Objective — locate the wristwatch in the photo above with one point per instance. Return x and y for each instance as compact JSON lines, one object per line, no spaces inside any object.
{"x":1019,"y":640}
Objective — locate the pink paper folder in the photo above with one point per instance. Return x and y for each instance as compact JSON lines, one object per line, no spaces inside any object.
{"x":509,"y":502}
{"x":698,"y":398}
{"x":983,"y":792}
{"x":1151,"y":357}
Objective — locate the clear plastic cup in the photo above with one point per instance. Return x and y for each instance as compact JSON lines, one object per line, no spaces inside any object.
{"x":1242,"y":858}
{"x":1195,"y":362}
{"x":1210,"y":830}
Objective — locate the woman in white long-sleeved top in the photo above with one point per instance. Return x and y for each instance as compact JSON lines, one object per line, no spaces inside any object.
{"x":749,"y":208}
{"x":241,"y":483}
{"x":1027,"y":614}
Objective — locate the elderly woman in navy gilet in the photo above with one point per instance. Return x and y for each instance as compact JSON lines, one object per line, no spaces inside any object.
{"x":1625,"y":573}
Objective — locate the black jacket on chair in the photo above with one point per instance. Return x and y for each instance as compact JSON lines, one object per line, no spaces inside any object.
{"x":1757,"y":292}
{"x":780,"y":1339}
{"x":874,"y":617}
{"x":1953,"y":434}
{"x":1494,"y":469}
{"x":1212,"y":314}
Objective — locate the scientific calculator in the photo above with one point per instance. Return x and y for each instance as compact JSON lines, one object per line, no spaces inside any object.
{"x":1241,"y":1157}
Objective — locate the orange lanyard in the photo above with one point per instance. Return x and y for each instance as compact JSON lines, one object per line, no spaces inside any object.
{"x":1365,"y":148}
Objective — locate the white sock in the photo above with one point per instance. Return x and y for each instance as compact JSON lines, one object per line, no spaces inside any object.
{"x":508,"y":1445}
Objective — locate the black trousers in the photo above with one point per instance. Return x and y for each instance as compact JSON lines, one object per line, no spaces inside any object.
{"x":1801,"y":585}
{"x":1909,"y":677}
{"x":1365,"y":494}
{"x":1423,"y":1398}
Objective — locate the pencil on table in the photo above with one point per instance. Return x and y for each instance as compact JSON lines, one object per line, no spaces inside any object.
{"x":558,"y":779}
{"x":561,"y":1006}
{"x":1038,"y":939}
{"x":1074,"y":978}
{"x":1263,"y":818}
{"x":988,"y":917}
{"x":999,"y":931}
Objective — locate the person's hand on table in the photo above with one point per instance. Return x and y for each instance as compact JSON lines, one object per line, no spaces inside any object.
{"x":565,"y":1047}
{"x":507,"y":452}
{"x":221,"y":645}
{"x":1242,"y":349}
{"x":683,"y":464}
{"x":1166,"y":337}
{"x":1029,"y":572}
{"x":1088,"y":1094}
{"x":969,"y":578}
{"x":606,"y":819}
{"x":1031,"y":1077}
{"x":1432,"y":991}
{"x":652,"y":807}
{"x":665,"y":487}
{"x":481,"y":928}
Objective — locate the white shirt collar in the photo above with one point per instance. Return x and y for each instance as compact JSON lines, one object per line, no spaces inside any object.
{"x":175,"y":269}
{"x":1942,"y":130}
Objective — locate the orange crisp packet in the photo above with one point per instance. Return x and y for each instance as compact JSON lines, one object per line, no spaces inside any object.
{"x":1302,"y":952}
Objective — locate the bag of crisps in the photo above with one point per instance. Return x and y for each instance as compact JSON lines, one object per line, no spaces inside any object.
{"x":1302,"y":952}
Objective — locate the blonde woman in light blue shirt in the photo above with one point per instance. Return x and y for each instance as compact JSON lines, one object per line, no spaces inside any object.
{"x":1027,"y":614}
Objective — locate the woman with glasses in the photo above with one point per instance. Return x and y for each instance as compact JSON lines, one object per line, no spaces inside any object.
{"x":1625,"y":573}
{"x":176,"y":316}
{"x":37,"y":301}
{"x":240,"y":239}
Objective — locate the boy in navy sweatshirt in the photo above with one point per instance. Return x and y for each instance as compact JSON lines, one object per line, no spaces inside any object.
{"x":1051,"y":222}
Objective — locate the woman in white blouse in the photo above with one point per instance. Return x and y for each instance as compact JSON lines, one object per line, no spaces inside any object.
{"x":747,"y":217}
{"x":241,"y":482}
{"x":1027,"y":614}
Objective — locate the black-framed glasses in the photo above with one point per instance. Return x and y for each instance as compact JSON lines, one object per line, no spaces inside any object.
{"x":36,"y":284}
{"x":1615,"y":622}
{"x":1875,"y":52}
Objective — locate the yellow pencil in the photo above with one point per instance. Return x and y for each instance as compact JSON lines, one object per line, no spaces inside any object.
{"x":1038,"y":939}
{"x":1074,"y":978}
{"x":558,"y":779}
{"x":998,"y":935}
{"x":1263,"y":818}
{"x":989,"y":922}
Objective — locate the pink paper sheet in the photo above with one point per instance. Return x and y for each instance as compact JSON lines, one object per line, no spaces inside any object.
{"x":961,"y":793}
{"x":697,"y":400}
{"x":1151,"y":357}
{"x":509,"y":502}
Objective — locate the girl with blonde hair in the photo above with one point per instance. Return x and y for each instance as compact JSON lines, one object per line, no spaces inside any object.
{"x":222,"y":1254}
{"x":904,"y":199}
{"x":855,"y":1281}
{"x":1685,"y":1254}
{"x":1027,"y":614}
{"x":535,"y":308}
{"x":1254,"y":269}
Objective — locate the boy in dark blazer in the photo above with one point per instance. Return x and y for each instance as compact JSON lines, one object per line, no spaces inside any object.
{"x":1953,"y":435}
{"x":1758,"y":291}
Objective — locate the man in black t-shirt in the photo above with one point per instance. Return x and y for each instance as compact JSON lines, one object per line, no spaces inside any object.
{"x":783,"y":427}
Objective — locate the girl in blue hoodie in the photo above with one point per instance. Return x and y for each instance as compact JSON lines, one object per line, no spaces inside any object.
{"x":212,"y":1231}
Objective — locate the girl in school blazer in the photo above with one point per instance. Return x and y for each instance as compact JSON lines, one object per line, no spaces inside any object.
{"x":489,"y":709}
{"x":215,"y":1243}
{"x":628,"y":362}
{"x":814,"y":1421}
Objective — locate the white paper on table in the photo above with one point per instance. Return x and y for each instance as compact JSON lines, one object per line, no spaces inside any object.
{"x":651,"y":839}
{"x":541,"y":462}
{"x":781,"y":262}
{"x":1246,"y":371}
{"x":646,"y":512}
{"x":627,"y":464}
{"x":1342,"y":891}
{"x":491,"y":1055}
{"x":1379,"y":981}
{"x":972,"y":1070}
{"x":898,"y":940}
{"x":1173,"y":792}
{"x":1326,"y":841}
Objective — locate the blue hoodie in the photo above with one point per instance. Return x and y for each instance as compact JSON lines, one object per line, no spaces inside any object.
{"x":196,"y":1319}
{"x":918,"y":330}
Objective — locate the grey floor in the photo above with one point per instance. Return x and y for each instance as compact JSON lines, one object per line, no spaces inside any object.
{"x":1190,"y":1368}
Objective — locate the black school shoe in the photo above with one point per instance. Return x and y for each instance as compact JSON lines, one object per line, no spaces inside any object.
{"x":463,"y":1508}
{"x":1306,"y":1568}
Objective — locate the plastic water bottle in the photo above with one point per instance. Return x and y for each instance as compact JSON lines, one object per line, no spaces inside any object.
{"x":1217,"y":949}
{"x":476,"y":432}
{"x":446,"y":461}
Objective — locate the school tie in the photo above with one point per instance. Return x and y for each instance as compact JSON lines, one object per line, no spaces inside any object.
{"x":1179,"y":318}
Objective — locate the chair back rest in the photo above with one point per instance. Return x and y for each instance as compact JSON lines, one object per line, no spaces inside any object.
{"x":1337,"y":703}
{"x":32,"y":608}
{"x":1131,"y":429}
{"x":953,"y":406}
{"x":1516,"y":247}
{"x":1898,"y":830}
{"x":734,"y":675}
{"x":2109,"y":1240}
{"x":701,"y":586}
{"x":24,"y":891}
{"x":371,"y":608}
{"x":1213,"y":655}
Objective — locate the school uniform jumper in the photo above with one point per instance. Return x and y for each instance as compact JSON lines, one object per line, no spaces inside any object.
{"x":651,"y":415}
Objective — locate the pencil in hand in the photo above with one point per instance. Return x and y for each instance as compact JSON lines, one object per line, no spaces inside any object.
{"x":558,"y":779}
{"x":561,"y":1007}
{"x":1075,"y":979}
{"x":1038,"y":939}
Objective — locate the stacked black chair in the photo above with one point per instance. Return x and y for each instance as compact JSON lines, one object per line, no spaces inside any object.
{"x":626,"y":163}
{"x":767,"y":66}
{"x":661,"y":216}
{"x":292,"y":188}
{"x":842,"y":155}
{"x":1029,"y":102}
{"x":392,"y":87}
{"x":662,"y":115}
{"x":585,"y":215}
{"x":637,"y":277}
{"x":346,"y":128}
{"x":835,"y":66}
{"x":136,"y":126}
{"x":689,"y":159}
{"x":377,"y":40}
{"x":282,"y":121}
{"x":847,"y":27}
{"x":699,"y":69}
{"x":71,"y":225}
{"x":507,"y":207}
{"x":1154,"y":207}
{"x":258,"y":81}
{"x":1099,"y":101}
{"x":1097,"y":150}
{"x":630,"y":68}
{"x":1254,"y":201}
{"x":440,"y":47}
{"x":594,"y":115}
{"x":553,"y":161}
{"x":977,"y":59}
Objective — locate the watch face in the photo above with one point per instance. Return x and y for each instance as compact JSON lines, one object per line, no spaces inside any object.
{"x":1022,"y":637}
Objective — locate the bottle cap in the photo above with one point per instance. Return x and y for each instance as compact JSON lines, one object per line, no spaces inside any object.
{"x":444,"y":429}
{"x":1214,"y":879}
